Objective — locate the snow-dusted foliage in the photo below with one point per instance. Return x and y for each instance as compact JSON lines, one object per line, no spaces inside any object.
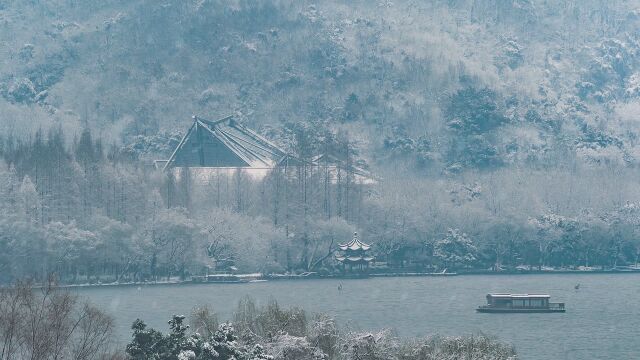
{"x":179,"y":345}
{"x":287,"y":347}
{"x":384,"y":345}
{"x":455,"y":249}
{"x":265,"y":334}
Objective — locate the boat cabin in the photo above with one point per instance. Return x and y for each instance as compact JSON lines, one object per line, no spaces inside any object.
{"x":518,"y":300}
{"x":520,"y":303}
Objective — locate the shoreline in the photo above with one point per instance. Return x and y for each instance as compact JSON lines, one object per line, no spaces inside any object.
{"x":283,"y":277}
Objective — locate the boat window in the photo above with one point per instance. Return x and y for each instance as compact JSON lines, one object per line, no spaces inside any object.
{"x":536,"y":302}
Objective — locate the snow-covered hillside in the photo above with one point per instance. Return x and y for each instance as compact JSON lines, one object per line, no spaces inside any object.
{"x":560,"y":74}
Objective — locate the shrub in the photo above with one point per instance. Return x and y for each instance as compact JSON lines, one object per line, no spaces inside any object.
{"x":177,"y":345}
{"x":478,"y":347}
{"x":204,"y":320}
{"x":268,"y":321}
{"x":273,"y":320}
{"x":324,"y":334}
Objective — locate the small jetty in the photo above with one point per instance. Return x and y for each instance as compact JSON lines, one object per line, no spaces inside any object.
{"x":520,"y":303}
{"x":227,"y":278}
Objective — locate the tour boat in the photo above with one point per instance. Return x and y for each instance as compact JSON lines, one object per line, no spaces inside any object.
{"x":520,"y":303}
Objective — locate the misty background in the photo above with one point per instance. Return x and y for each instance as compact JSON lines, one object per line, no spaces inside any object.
{"x":499,"y":132}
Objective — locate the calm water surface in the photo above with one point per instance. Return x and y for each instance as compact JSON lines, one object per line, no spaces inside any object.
{"x":602,"y":319}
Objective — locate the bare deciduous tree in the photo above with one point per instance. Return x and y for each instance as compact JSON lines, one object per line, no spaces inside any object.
{"x":50,"y":323}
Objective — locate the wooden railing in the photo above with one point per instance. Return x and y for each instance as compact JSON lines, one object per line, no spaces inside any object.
{"x":552,"y":306}
{"x":556,"y":305}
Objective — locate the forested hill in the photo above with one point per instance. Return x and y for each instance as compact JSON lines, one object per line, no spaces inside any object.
{"x":489,"y":122}
{"x":461,"y":84}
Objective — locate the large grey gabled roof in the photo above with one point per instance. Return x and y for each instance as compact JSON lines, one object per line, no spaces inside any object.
{"x":242,"y":146}
{"x":256,"y":150}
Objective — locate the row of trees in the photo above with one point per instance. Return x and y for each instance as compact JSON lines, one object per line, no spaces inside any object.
{"x":576,"y":216}
{"x":95,"y":215}
{"x":88,"y":214}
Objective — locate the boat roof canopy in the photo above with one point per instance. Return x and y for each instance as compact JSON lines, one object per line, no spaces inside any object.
{"x":518,"y":296}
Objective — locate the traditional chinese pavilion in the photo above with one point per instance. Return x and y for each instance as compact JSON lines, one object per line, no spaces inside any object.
{"x":354,"y":254}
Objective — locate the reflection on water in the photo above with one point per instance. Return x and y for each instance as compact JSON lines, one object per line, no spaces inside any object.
{"x":601,"y":322}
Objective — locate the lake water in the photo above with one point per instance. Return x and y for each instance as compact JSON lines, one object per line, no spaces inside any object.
{"x":602,"y":319}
